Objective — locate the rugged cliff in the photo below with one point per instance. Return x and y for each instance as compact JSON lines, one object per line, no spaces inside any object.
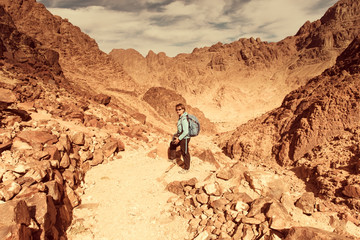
{"x":315,"y":130}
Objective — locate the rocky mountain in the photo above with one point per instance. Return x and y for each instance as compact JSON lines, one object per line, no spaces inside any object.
{"x":315,"y":131}
{"x":255,"y":75}
{"x":79,"y":54}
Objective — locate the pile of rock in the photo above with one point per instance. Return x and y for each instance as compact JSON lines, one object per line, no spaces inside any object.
{"x":41,"y":175}
{"x":218,"y":212}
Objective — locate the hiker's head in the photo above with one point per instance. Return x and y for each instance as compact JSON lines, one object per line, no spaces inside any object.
{"x":180,"y":109}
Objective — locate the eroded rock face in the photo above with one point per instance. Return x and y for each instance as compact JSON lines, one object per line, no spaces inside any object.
{"x":311,"y":129}
{"x":31,"y":57}
{"x":78,"y":54}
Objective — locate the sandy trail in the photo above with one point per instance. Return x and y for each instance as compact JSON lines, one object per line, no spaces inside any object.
{"x":126,"y":199}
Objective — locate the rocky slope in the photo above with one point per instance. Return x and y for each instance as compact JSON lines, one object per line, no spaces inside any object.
{"x":23,"y":54}
{"x":50,"y":136}
{"x":255,"y":75}
{"x":314,"y":132}
{"x":79,"y":54}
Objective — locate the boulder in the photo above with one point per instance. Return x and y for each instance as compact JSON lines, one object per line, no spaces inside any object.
{"x":65,"y":142}
{"x":65,"y":161}
{"x":352,"y":190}
{"x":306,"y":203}
{"x":7,"y":97}
{"x":279,"y":217}
{"x":212,"y":189}
{"x":102,"y":99}
{"x":266,"y":183}
{"x":78,"y":138}
{"x":9,"y":190}
{"x":259,"y":205}
{"x":225,"y":174}
{"x":37,"y":138}
{"x":43,"y":211}
{"x":202,"y":198}
{"x":140,"y":117}
{"x":53,"y":152}
{"x":14,"y":212}
{"x":110,"y":147}
{"x":98,"y":158}
{"x":54,"y":191}
{"x":15,"y":231}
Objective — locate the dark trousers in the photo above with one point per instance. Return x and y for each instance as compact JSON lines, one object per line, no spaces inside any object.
{"x":184,"y":147}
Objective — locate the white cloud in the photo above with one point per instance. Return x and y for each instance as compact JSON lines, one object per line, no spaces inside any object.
{"x":181,"y":26}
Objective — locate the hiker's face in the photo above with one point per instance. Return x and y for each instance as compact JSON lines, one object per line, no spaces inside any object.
{"x":180,"y":111}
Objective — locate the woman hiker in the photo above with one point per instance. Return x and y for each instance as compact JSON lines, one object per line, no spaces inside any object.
{"x":181,"y":138}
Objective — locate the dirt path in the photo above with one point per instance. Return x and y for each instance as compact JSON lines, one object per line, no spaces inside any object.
{"x":126,"y":199}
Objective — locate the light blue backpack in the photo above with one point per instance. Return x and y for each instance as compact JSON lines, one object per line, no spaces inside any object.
{"x":194,"y":125}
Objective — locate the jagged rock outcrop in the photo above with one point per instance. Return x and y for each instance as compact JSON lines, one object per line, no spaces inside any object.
{"x":24,"y":55}
{"x":311,"y":130}
{"x":79,"y":55}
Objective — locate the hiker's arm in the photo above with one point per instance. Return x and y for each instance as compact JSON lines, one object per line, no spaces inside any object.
{"x":185,"y":128}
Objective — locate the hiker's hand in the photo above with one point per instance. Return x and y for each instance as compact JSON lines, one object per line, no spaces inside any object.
{"x":176,"y":141}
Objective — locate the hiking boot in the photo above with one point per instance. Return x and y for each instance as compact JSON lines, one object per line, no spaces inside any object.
{"x":183,"y":171}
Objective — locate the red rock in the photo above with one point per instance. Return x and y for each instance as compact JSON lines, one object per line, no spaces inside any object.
{"x":225,"y":174}
{"x":7,"y":96}
{"x":44,"y":211}
{"x":37,"y":174}
{"x":259,"y":205}
{"x":352,"y":191}
{"x":37,"y":138}
{"x":121,"y":145}
{"x":54,"y":190}
{"x":219,"y":204}
{"x":306,"y":203}
{"x":102,"y":99}
{"x":175,"y":187}
{"x":64,"y":140}
{"x":140,"y":117}
{"x":191,"y":182}
{"x":15,"y":231}
{"x":73,"y":198}
{"x":252,"y":221}
{"x":202,"y":198}
{"x":110,"y":147}
{"x":296,"y":233}
{"x":65,"y":161}
{"x":9,"y":190}
{"x":78,"y":138}
{"x":69,"y":177}
{"x":14,"y":212}
{"x":279,"y":217}
{"x":98,"y":158}
{"x":208,"y":156}
{"x":53,"y":152}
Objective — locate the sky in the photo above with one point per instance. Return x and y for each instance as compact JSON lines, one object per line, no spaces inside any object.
{"x":179,"y":26}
